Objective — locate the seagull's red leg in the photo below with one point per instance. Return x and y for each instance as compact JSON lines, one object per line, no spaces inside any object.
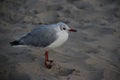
{"x":46,"y":55}
{"x":47,"y":61}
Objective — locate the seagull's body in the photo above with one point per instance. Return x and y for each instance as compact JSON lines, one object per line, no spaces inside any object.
{"x":62,"y":37}
{"x":45,"y":36}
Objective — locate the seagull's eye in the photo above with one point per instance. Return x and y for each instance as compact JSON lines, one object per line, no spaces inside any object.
{"x":64,"y":28}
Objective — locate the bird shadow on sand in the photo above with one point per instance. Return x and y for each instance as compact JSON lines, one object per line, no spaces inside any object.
{"x":60,"y":70}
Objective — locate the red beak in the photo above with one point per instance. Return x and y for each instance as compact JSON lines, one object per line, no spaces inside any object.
{"x":72,"y":30}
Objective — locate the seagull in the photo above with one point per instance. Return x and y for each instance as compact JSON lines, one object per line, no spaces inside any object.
{"x":45,"y":36}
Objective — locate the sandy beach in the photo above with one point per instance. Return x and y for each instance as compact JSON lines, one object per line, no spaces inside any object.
{"x":92,"y":53}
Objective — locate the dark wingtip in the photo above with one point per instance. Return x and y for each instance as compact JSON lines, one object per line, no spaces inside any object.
{"x":14,"y":43}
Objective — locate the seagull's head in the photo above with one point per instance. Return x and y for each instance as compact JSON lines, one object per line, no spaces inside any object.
{"x":64,"y":27}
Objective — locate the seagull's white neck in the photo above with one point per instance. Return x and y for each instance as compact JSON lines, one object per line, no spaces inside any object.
{"x":62,"y":36}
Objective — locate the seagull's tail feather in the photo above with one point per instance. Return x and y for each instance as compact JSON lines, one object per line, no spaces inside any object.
{"x":13,"y":43}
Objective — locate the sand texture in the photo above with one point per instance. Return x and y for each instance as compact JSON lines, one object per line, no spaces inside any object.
{"x":92,"y":53}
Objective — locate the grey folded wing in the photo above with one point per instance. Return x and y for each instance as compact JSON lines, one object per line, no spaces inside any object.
{"x":39,"y":37}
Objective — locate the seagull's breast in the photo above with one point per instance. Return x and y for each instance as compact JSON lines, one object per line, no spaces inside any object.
{"x":62,"y":36}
